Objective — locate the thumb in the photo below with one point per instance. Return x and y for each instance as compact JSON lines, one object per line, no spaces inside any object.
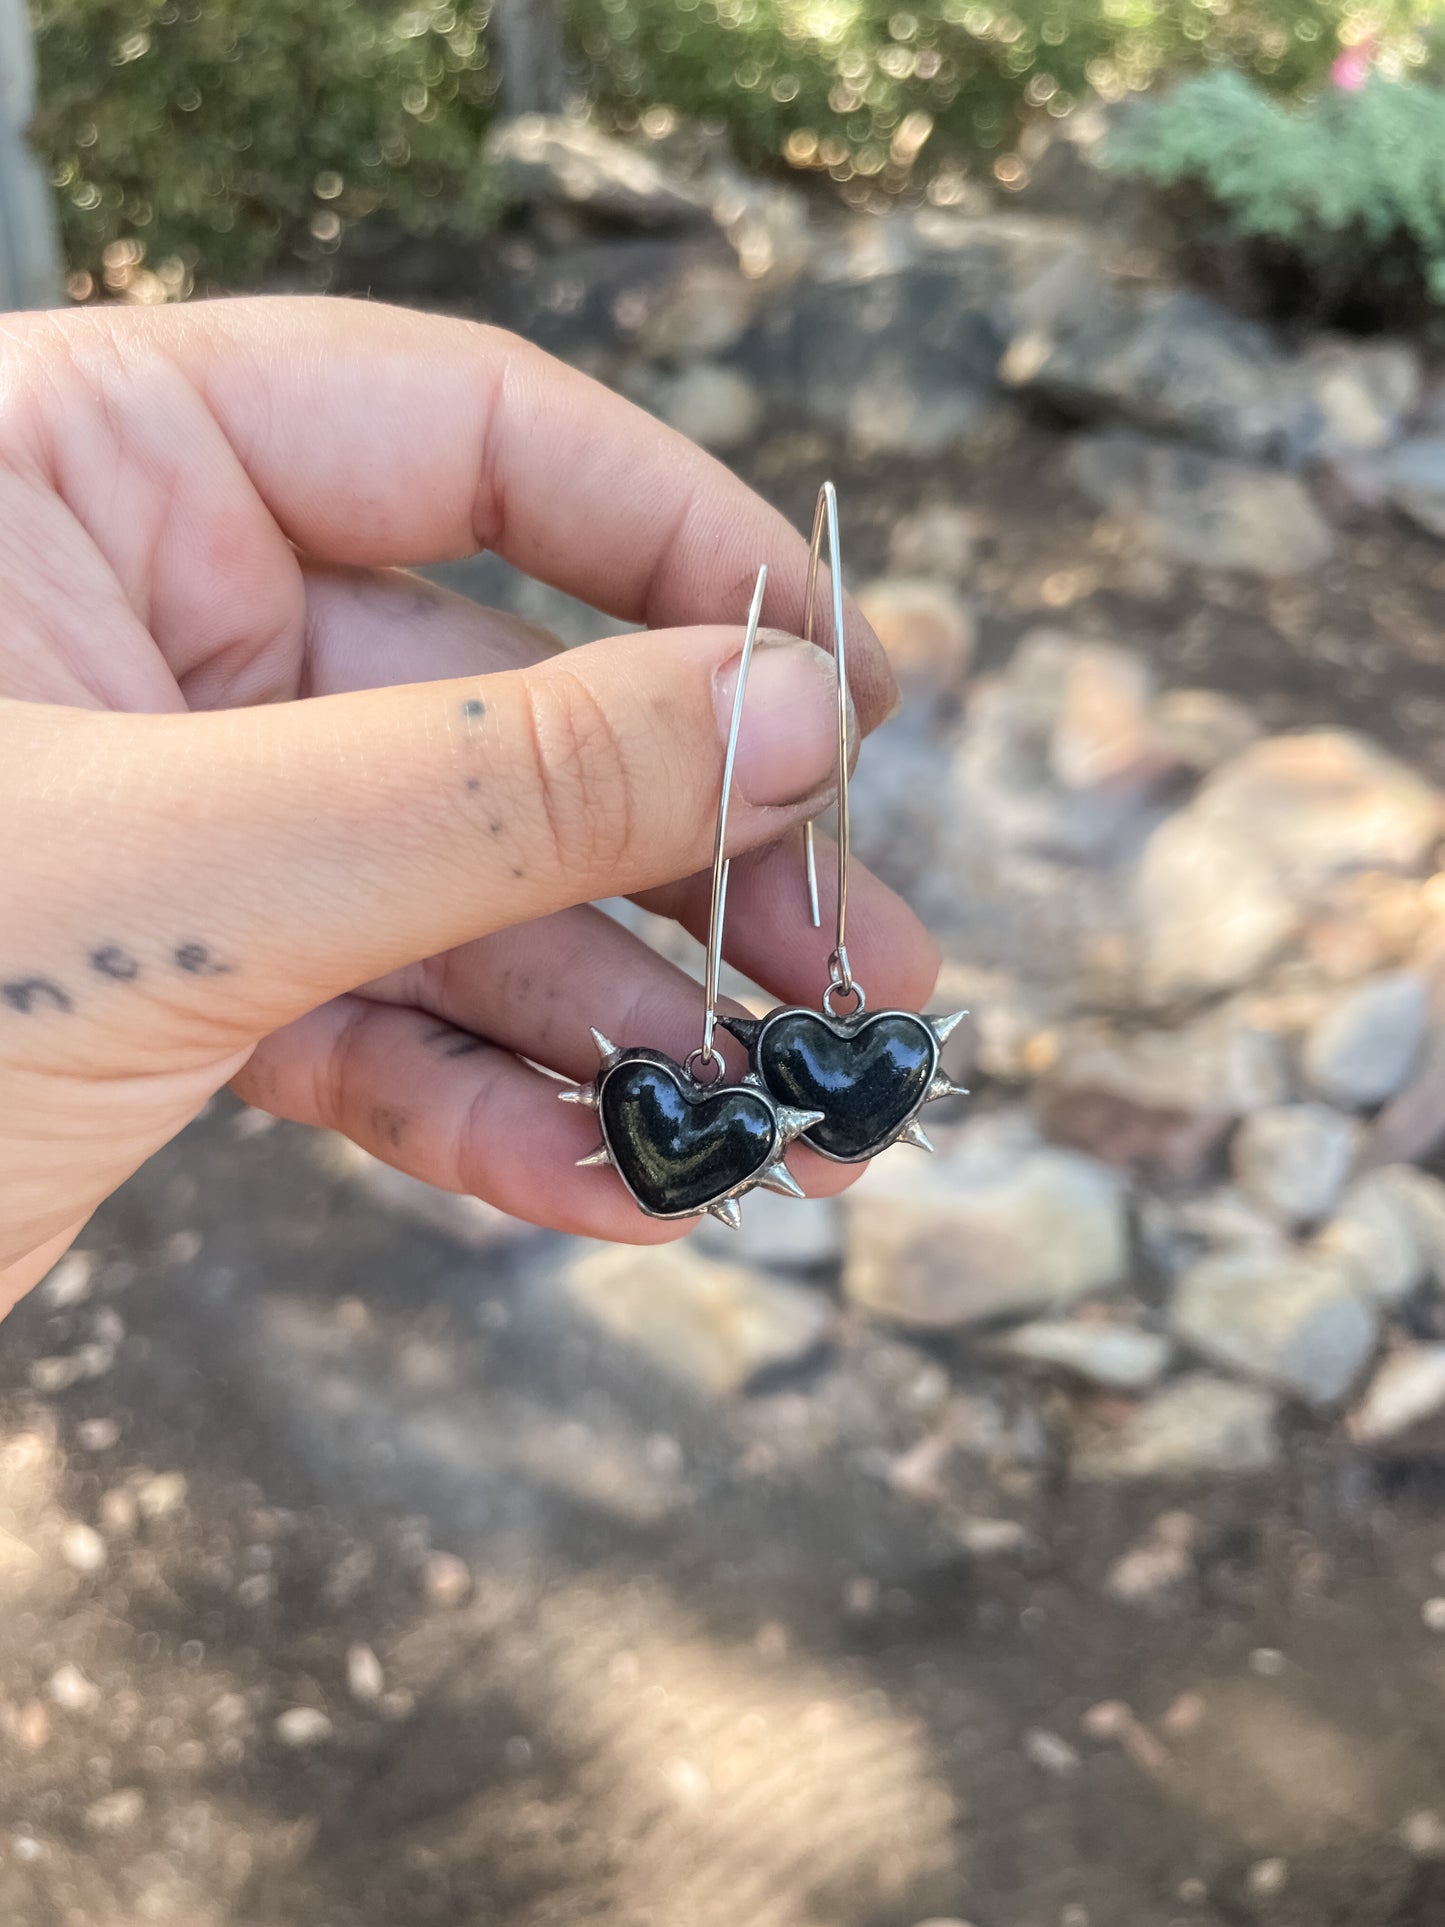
{"x":249,"y":864}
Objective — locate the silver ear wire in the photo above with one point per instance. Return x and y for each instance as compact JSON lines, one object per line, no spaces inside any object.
{"x":826,"y":513}
{"x":720,"y":863}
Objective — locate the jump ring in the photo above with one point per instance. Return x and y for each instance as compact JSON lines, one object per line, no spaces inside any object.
{"x":844,"y":990}
{"x":712,"y":1055}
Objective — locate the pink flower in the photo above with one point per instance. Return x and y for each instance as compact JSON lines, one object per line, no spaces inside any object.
{"x":1352,"y":65}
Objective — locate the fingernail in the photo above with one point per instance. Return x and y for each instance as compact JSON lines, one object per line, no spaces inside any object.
{"x":788,"y":743}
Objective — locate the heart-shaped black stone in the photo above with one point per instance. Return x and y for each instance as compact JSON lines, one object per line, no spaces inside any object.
{"x":867,"y":1077}
{"x":680,"y":1148}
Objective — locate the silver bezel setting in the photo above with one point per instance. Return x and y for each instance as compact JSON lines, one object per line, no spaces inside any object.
{"x":750,"y":1032}
{"x":772,"y":1174}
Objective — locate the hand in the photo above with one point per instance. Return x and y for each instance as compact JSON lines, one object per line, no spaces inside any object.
{"x":274,"y":813}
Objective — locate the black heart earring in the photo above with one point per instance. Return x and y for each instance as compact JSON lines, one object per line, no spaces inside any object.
{"x":869,"y":1075}
{"x":683,"y":1144}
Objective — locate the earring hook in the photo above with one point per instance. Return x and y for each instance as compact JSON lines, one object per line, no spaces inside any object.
{"x":826,"y":512}
{"x":721,"y":865}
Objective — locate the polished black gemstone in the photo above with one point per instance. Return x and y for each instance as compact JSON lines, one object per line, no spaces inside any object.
{"x":680,"y":1148}
{"x":866,"y":1075}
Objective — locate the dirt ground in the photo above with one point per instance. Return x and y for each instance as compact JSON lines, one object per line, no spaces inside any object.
{"x":702,"y":1663}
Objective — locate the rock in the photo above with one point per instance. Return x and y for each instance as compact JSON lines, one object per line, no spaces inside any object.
{"x":777,"y":1233}
{"x":1403,"y":1409}
{"x":1414,"y":480}
{"x":1051,"y":1753}
{"x":715,"y":1326}
{"x":1158,"y":1099}
{"x":1055,"y":756}
{"x":1292,"y":1159}
{"x":996,"y":1225}
{"x":1154,"y":1573}
{"x":544,"y":160}
{"x":302,"y":1726}
{"x":1175,"y":1231}
{"x":718,"y":408}
{"x":1287,"y":1318}
{"x":446,"y":1580}
{"x":60,"y":1373}
{"x":1210,"y":910}
{"x":1101,"y":734}
{"x":1178,"y":364}
{"x":162,"y":1495}
{"x":71,"y":1691}
{"x":365,"y":1680}
{"x":116,"y":1812}
{"x":1120,"y":1357}
{"x":899,"y":362}
{"x":1362,"y":1050}
{"x":1195,"y":1427}
{"x":1224,"y":884}
{"x":1203,"y":509}
{"x":927,"y":629}
{"x":937,"y":542}
{"x":699,"y":310}
{"x":1364,"y":392}
{"x":1198,"y":729}
{"x":1378,"y":1236}
{"x":69,"y":1282}
{"x":82,"y":1548}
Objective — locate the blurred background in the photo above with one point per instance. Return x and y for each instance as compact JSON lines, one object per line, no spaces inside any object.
{"x":1052,"y":1533}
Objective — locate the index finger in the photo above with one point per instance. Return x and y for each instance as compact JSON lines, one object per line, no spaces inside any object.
{"x":376,"y":435}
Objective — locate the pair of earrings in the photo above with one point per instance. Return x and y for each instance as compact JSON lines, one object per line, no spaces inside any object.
{"x":847,"y":1084}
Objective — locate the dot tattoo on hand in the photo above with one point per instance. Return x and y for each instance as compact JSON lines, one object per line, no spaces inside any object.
{"x":196,"y":960}
{"x":25,"y":994}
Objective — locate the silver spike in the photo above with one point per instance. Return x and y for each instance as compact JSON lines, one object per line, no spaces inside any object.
{"x":943,"y":1086}
{"x":600,"y":1156}
{"x":914,"y":1133}
{"x":777,"y":1177}
{"x":745,"y":1029}
{"x":606,"y":1049}
{"x":584,"y":1094}
{"x":793,"y":1122}
{"x":944,"y":1027}
{"x":727,"y":1211}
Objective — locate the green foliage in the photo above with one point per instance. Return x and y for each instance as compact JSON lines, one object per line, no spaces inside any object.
{"x":236,"y":139}
{"x":1344,"y":196}
{"x":885,"y":88}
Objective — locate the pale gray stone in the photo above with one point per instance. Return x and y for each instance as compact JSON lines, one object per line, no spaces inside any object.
{"x":1292,"y":1159}
{"x":1225,"y":883}
{"x":1406,"y":1392}
{"x":1203,"y":509}
{"x":1120,"y":1357}
{"x":1197,"y":1426}
{"x":1200,"y":729}
{"x":1385,"y":1233}
{"x":926,"y":627}
{"x":938,"y":542}
{"x":1414,"y":480}
{"x":1290,"y":1319}
{"x":1362,"y":1049}
{"x":715,"y":1326}
{"x":995,"y":1226}
{"x":777,"y":1233}
{"x":552,"y":159}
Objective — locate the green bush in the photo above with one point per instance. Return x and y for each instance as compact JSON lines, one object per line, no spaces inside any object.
{"x":235,"y":139}
{"x":888,"y":89}
{"x":1334,"y":209}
